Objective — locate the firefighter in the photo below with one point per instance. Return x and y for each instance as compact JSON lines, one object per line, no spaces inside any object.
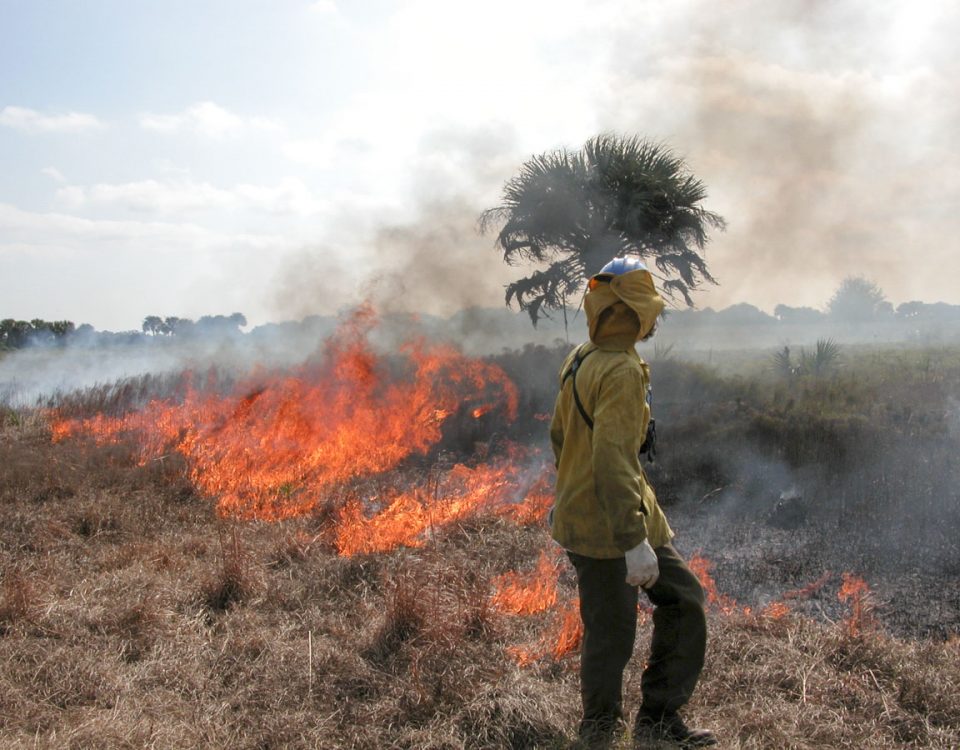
{"x":607,"y":518}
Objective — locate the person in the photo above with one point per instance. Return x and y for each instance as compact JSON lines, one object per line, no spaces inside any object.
{"x":607,"y":519}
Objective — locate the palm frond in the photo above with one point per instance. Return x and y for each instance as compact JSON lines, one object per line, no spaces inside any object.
{"x":615,"y":196}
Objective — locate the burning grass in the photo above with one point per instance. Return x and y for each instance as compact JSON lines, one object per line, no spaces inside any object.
{"x":276,"y":443}
{"x":353,"y":555}
{"x":171,"y":626}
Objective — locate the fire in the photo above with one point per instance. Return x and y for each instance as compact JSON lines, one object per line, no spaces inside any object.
{"x":280,"y":445}
{"x":856,"y":591}
{"x":779,"y":609}
{"x":569,"y":630}
{"x":701,"y":568}
{"x":535,"y":507}
{"x":277,"y":446}
{"x":775,"y":611}
{"x":520,"y":594}
{"x":810,"y":589}
{"x":561,"y":638}
{"x":408,"y":516}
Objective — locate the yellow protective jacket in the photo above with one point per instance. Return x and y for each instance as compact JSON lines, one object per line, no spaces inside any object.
{"x":604,"y":503}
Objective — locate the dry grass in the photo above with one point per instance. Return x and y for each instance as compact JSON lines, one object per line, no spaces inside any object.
{"x":131,"y":616}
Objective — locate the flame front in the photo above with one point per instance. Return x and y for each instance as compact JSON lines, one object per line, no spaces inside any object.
{"x":334,"y":431}
{"x":701,"y":568}
{"x":276,"y":446}
{"x":810,"y":589}
{"x":562,"y":637}
{"x":520,"y":594}
{"x":775,"y":610}
{"x":458,"y":493}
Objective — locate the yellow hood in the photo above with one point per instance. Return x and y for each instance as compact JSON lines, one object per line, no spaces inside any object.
{"x":619,"y":328}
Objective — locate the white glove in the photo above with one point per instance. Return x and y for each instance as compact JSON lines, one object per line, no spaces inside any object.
{"x":642,"y":568}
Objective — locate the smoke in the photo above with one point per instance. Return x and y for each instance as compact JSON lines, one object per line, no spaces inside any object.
{"x":824,"y":132}
{"x":781,"y":481}
{"x":315,"y":280}
{"x":425,"y":258}
{"x":438,"y":264}
{"x":38,"y":374}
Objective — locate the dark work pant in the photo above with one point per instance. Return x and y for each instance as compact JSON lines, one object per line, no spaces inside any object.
{"x":608,"y":608}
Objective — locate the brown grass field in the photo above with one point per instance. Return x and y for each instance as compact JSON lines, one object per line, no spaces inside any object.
{"x":133,"y":616}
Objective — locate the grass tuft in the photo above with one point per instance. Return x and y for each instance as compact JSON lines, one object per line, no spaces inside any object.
{"x":234,"y":582}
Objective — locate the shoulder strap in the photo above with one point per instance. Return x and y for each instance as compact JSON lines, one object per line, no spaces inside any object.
{"x":572,"y":373}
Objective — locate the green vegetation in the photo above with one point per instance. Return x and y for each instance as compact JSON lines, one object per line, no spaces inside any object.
{"x":15,"y":334}
{"x":820,"y":361}
{"x":154,"y":325}
{"x":574,"y":211}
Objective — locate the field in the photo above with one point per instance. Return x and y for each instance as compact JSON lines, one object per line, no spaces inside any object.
{"x":822,"y":513}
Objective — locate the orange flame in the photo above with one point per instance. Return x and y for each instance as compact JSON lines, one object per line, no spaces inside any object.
{"x":810,"y":589}
{"x":780,"y":609}
{"x":535,"y":507}
{"x":457,"y":494}
{"x":569,"y":632}
{"x":775,"y":611}
{"x":528,"y":594}
{"x":701,"y":568}
{"x":856,"y":591}
{"x":274,"y":448}
{"x":561,"y":638}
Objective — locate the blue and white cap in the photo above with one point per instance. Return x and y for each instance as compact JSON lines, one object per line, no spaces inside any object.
{"x":622,"y":265}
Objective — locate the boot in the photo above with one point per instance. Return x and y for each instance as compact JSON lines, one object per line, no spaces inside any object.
{"x":600,"y":734}
{"x":669,"y":727}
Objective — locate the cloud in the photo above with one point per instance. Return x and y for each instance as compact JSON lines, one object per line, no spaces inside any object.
{"x":32,"y":121}
{"x":58,"y":232}
{"x":288,"y":197}
{"x":310,"y":152}
{"x":112,"y":273}
{"x":54,"y":174}
{"x":207,"y":119}
{"x":323,"y":7}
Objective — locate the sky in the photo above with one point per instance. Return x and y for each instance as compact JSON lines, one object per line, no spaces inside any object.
{"x":293,"y":157}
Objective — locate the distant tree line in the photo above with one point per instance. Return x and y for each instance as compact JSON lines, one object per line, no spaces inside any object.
{"x":16,"y":334}
{"x":154,"y":325}
{"x":19,"y":334}
{"x":856,"y":300}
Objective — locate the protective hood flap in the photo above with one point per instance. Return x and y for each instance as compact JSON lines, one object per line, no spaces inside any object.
{"x":637,"y":291}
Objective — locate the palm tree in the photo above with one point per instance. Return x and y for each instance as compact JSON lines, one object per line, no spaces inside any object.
{"x":574,"y":211}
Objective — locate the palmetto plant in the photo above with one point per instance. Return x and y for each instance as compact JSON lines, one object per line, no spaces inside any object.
{"x":572,"y":211}
{"x":782,"y":364}
{"x":822,"y":359}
